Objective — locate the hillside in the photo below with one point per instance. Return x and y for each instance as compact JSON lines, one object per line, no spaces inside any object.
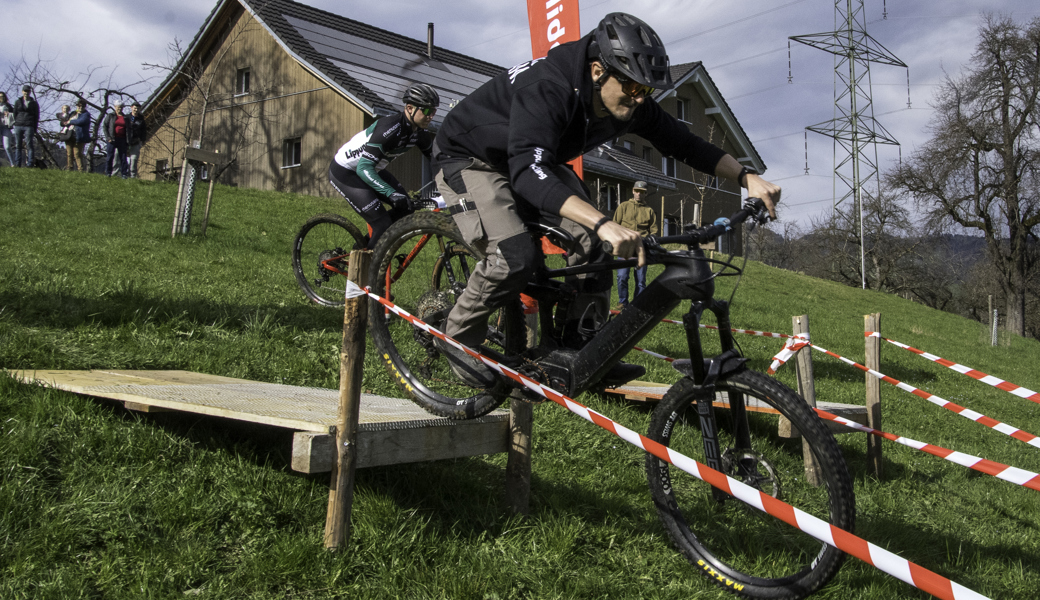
{"x":108,"y":503}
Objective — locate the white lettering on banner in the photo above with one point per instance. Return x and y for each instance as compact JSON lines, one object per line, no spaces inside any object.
{"x":554,"y":31}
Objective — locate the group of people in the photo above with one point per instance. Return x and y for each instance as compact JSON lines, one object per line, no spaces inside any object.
{"x":500,"y":159}
{"x":122,"y":133}
{"x":18,"y":124}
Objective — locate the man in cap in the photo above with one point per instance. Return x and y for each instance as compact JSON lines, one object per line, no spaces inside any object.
{"x":26,"y":120}
{"x":636,"y":215}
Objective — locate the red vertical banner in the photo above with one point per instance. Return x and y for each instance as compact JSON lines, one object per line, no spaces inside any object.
{"x":553,"y":22}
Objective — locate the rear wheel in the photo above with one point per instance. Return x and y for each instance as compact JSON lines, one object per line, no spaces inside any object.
{"x":321,"y":254}
{"x":738,"y":547}
{"x":422,"y":265}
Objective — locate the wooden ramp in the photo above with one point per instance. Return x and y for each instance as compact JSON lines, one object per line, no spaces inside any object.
{"x":391,"y":430}
{"x":646,"y":391}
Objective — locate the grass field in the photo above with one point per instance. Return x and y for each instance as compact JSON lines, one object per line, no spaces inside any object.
{"x":98,"y":502}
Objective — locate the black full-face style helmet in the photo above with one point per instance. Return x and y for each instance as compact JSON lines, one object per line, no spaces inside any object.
{"x":421,"y":95}
{"x":630,"y":48}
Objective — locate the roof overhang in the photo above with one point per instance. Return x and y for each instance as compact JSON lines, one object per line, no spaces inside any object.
{"x":717,"y":107}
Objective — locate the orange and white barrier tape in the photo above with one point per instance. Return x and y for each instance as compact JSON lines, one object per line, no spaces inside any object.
{"x":791,"y":347}
{"x":1001,"y":471}
{"x":886,"y":561}
{"x":703,"y":326}
{"x":1017,"y":390}
{"x":980,"y":418}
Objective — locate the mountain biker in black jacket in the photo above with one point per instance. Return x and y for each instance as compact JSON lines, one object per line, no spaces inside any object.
{"x":500,"y":157}
{"x":357,"y":170}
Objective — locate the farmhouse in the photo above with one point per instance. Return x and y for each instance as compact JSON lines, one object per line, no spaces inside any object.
{"x":277,"y":86}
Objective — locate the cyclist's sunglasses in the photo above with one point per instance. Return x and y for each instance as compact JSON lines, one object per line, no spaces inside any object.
{"x":427,"y":110}
{"x":631,"y":88}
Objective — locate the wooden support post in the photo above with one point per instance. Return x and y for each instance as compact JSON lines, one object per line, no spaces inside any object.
{"x":518,"y":463}
{"x":807,"y":388}
{"x":872,"y":323}
{"x":209,"y":197}
{"x":179,"y":207}
{"x":351,"y":369}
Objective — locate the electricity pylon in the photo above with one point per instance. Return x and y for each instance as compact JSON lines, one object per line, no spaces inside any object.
{"x":855,"y":128}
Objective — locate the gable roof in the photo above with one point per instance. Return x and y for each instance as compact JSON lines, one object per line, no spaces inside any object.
{"x":370,"y":66}
{"x":695,"y":73}
{"x":621,"y":163}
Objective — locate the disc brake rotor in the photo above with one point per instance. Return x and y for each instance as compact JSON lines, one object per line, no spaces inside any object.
{"x":751,"y":468}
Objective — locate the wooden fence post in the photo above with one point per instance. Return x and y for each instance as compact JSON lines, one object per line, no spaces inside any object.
{"x":804,"y":370}
{"x":872,"y":323}
{"x":351,"y":370}
{"x":518,"y":461}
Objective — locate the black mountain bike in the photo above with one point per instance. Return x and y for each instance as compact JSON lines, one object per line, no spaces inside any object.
{"x":738,"y":547}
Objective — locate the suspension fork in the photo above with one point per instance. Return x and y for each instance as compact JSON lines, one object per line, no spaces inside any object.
{"x":737,"y":405}
{"x":705,"y":375}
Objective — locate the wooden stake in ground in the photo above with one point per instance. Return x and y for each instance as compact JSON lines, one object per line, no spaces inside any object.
{"x":351,"y":369}
{"x":807,"y":388}
{"x":872,"y":322}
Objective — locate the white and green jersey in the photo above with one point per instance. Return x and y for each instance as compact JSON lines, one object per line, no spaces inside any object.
{"x":371,"y":150}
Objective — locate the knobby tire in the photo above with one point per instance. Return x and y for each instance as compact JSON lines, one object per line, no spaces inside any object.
{"x":738,"y":547}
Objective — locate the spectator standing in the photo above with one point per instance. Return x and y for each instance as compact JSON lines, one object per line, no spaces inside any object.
{"x":136,"y":131}
{"x":6,"y":126}
{"x":114,"y":127}
{"x":80,"y":124}
{"x":26,"y":120}
{"x":636,"y":215}
{"x":63,"y":119}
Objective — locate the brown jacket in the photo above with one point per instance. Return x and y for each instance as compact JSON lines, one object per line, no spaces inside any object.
{"x":636,"y":216}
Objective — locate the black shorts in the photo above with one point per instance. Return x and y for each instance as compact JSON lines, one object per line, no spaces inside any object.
{"x":365,"y":200}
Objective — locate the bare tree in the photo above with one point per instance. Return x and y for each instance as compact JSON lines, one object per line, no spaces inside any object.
{"x":979,"y":170}
{"x":201,"y":92}
{"x":891,"y":244}
{"x":96,"y":86}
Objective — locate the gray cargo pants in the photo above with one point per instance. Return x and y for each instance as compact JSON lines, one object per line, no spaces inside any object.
{"x":496,"y":226}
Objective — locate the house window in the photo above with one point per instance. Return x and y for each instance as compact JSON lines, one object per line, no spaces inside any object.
{"x":242,"y":82}
{"x":162,"y":166}
{"x":668,"y":166}
{"x":291,"y":153}
{"x":627,"y":145}
{"x":682,"y":109}
{"x":648,"y":154}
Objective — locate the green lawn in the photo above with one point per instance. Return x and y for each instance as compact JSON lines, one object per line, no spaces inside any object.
{"x":98,"y":502}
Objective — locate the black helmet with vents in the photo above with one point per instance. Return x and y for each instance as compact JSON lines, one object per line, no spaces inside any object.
{"x":629,"y":47}
{"x":421,"y":95}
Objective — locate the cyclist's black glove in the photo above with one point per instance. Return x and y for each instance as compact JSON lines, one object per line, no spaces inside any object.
{"x":399,"y":201}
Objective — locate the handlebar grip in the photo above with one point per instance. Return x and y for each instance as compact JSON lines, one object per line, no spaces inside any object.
{"x":606,"y":247}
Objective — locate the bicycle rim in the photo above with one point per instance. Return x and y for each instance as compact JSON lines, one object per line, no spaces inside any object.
{"x":428,"y":267}
{"x":321,"y":256}
{"x":738,"y":547}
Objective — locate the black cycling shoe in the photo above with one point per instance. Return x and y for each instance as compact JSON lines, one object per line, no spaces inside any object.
{"x":468,"y":369}
{"x":621,"y":374}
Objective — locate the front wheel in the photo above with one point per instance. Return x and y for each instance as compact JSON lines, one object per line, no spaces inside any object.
{"x":320,"y":256}
{"x":738,"y":547}
{"x":422,"y":265}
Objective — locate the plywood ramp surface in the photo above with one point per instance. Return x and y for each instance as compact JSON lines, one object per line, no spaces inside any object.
{"x":390,"y":431}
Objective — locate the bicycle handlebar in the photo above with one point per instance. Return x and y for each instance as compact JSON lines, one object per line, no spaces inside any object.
{"x":752,"y":208}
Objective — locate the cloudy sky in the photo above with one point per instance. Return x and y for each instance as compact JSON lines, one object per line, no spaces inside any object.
{"x":743,"y":43}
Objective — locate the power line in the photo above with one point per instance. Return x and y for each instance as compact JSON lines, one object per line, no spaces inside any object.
{"x":737,"y":22}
